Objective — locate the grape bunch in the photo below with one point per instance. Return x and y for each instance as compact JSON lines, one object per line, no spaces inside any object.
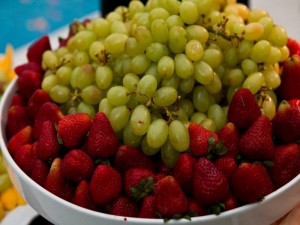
{"x":155,"y":67}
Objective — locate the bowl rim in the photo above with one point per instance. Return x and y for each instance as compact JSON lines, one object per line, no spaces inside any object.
{"x":9,"y":160}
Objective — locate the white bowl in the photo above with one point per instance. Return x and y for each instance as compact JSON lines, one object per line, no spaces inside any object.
{"x":61,"y":212}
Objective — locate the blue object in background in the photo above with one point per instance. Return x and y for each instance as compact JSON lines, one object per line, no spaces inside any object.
{"x":23,"y":21}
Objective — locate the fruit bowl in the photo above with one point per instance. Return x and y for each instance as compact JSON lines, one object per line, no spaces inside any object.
{"x":59,"y":211}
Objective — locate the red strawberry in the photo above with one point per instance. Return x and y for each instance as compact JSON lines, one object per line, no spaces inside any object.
{"x":251,"y":182}
{"x":77,"y":165}
{"x":286,"y":164}
{"x":24,"y":136}
{"x":229,"y":136}
{"x":56,"y":183}
{"x":25,"y":158}
{"x":39,"y":172}
{"x":18,"y":99}
{"x":28,"y":66}
{"x":123,"y":206}
{"x":105,"y":184}
{"x":102,"y":141}
{"x":48,"y":111}
{"x":286,"y":123}
{"x":243,"y":109}
{"x":227,"y":165}
{"x":47,"y":144}
{"x":37,"y":99}
{"x":129,"y":157}
{"x":83,"y":197}
{"x":230,"y":202}
{"x":28,"y":82}
{"x":138,"y":183}
{"x":72,"y":129}
{"x":147,"y":208}
{"x":201,"y":140}
{"x":195,"y":209}
{"x":36,"y":49}
{"x":17,"y":118}
{"x":290,"y":79}
{"x":210,"y":186}
{"x":294,"y":46}
{"x":257,"y":142}
{"x":183,"y":171}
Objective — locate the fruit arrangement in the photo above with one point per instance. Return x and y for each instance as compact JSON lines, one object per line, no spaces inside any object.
{"x":171,"y":109}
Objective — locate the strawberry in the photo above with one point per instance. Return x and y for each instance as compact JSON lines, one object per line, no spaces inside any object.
{"x":286,"y":123}
{"x":201,"y":139}
{"x":102,"y":141}
{"x":210,"y":186}
{"x":183,"y":171}
{"x":17,"y":118}
{"x":37,"y":99}
{"x":18,"y":99}
{"x":138,"y":183}
{"x":257,"y":142}
{"x":105,"y":184}
{"x":28,"y":66}
{"x":230,"y":202}
{"x":57,"y":184}
{"x":37,"y":48}
{"x":169,"y":200}
{"x":227,"y":165}
{"x":243,"y":109}
{"x":39,"y":172}
{"x":129,"y":157}
{"x":83,"y":197}
{"x":286,"y":164}
{"x":24,"y":136}
{"x":77,"y":165}
{"x":47,"y":143}
{"x":293,"y":46}
{"x":72,"y":129}
{"x":290,"y":79}
{"x":229,"y":136}
{"x":147,"y":208}
{"x":251,"y":182}
{"x":48,"y":111}
{"x":195,"y":209}
{"x":25,"y":158}
{"x":28,"y":82}
{"x":123,"y":206}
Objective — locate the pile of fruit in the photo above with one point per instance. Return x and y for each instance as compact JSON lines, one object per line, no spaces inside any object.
{"x":165,"y":110}
{"x":9,"y":197}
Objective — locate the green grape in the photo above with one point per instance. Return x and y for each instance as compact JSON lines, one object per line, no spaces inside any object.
{"x":118,"y":27}
{"x":214,"y":17}
{"x":140,"y":120}
{"x":197,"y":32}
{"x":177,"y":39}
{"x":203,"y":72}
{"x":81,"y":58}
{"x":172,"y":6}
{"x":194,"y":50}
{"x":83,"y":39}
{"x":231,"y":57}
{"x":216,"y":113}
{"x":197,"y":117}
{"x":152,"y":70}
{"x":49,"y":82}
{"x":147,"y":149}
{"x":184,"y":68}
{"x":234,"y":77}
{"x":143,"y":20}
{"x":132,"y":47}
{"x":130,"y":81}
{"x":268,"y":107}
{"x":274,"y":56}
{"x":260,"y":51}
{"x":249,"y":66}
{"x":268,"y":24}
{"x":165,"y":96}
{"x":188,"y":12}
{"x":146,"y":88}
{"x":122,"y":65}
{"x":278,"y":36}
{"x":166,"y":67}
{"x":92,"y":94}
{"x":67,"y":60}
{"x":285,"y":53}
{"x":129,"y":138}
{"x":254,"y":82}
{"x":215,"y":86}
{"x":157,"y":133}
{"x":187,"y":106}
{"x":180,"y":114}
{"x":143,"y":36}
{"x":118,"y":95}
{"x":135,"y":7}
{"x":272,"y":78}
{"x":187,"y":85}
{"x":113,"y":16}
{"x":155,"y":51}
{"x":63,"y":75}
{"x":105,"y":106}
{"x":209,"y":124}
{"x":119,"y":117}
{"x":86,"y":108}
{"x":204,"y":6}
{"x":201,"y":98}
{"x":213,"y":57}
{"x":179,"y":136}
{"x":174,"y":20}
{"x":61,"y":52}
{"x":60,"y":93}
{"x":115,"y":43}
{"x":83,"y":76}
{"x":230,"y":92}
{"x":158,"y":13}
{"x":5,"y":182}
{"x":256,"y":14}
{"x":253,"y":31}
{"x":173,"y":81}
{"x":160,"y":30}
{"x":104,"y":77}
{"x":244,"y":49}
{"x":169,"y":154}
{"x":238,"y":29}
{"x":139,"y":64}
{"x":50,"y":60}
{"x":100,"y":27}
{"x":97,"y":52}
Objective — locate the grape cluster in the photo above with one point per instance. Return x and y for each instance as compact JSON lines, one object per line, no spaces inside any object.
{"x":153,"y":68}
